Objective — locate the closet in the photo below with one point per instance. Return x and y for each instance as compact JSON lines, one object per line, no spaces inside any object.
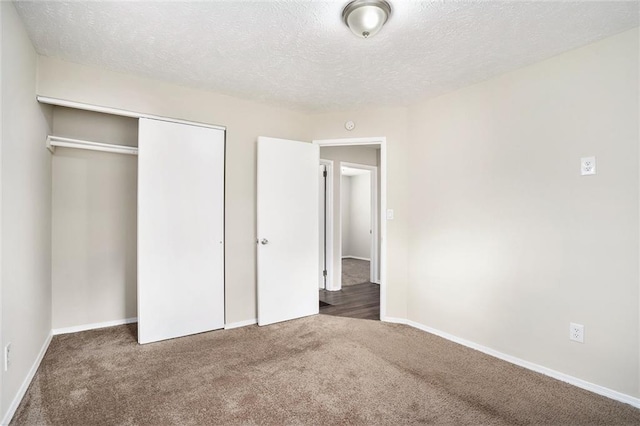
{"x":138,"y":221}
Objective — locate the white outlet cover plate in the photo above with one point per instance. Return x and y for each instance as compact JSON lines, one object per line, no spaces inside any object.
{"x":588,"y":166}
{"x":7,"y":356}
{"x":576,"y":332}
{"x":389,"y":214}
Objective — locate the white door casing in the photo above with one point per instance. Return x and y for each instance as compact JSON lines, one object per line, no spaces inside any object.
{"x":180,"y":230}
{"x":287,"y":225}
{"x":321,"y":226}
{"x":326,"y":215}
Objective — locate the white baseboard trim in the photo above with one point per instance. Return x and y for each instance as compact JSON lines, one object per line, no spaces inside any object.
{"x":395,"y":320}
{"x":95,"y":325}
{"x":600,"y":390}
{"x":27,"y":381}
{"x":240,"y":324}
{"x":357,"y":258}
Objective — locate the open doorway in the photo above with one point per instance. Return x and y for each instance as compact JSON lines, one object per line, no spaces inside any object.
{"x":358,"y":224}
{"x":352,"y":264}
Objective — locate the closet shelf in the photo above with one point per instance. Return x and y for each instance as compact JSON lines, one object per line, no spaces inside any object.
{"x":54,"y":141}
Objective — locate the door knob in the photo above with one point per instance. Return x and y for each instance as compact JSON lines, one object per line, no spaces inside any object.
{"x":264,"y":241}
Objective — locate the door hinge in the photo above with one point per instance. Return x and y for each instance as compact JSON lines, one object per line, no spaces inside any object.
{"x":324,"y":273}
{"x":324,"y":173}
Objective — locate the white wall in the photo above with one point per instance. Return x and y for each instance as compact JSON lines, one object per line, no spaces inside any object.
{"x":359,"y":217}
{"x":508,"y":242}
{"x":245,"y":121}
{"x":351,"y":154}
{"x":26,"y":209}
{"x":345,"y":215}
{"x":94,"y":221}
{"x":2,"y":411}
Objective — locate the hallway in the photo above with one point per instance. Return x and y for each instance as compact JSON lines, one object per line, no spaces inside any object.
{"x":356,"y":301}
{"x":358,"y":298}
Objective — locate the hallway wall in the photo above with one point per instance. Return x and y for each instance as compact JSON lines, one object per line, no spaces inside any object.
{"x":359,"y":233}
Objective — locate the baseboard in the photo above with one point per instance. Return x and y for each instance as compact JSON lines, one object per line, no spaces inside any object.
{"x":600,"y":390}
{"x":27,"y":381}
{"x":95,"y":325}
{"x":240,"y":324}
{"x":357,"y":258}
{"x":395,"y":320}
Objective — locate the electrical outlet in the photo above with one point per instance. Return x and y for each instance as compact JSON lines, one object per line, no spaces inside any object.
{"x":588,"y":166}
{"x":7,"y":356}
{"x":576,"y":332}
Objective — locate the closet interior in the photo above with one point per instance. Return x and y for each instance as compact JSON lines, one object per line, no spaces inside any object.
{"x":167,"y":274}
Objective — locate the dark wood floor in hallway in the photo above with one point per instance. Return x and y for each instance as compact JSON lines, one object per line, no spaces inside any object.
{"x":354,"y":301}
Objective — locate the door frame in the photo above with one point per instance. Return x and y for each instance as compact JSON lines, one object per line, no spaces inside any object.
{"x":373,"y":244}
{"x":329,"y":284}
{"x":382,"y":142}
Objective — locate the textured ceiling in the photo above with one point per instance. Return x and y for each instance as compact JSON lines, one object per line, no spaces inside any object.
{"x":299,"y":54}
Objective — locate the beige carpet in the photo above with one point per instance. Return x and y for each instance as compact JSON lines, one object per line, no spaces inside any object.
{"x":355,"y":271}
{"x":319,"y":370}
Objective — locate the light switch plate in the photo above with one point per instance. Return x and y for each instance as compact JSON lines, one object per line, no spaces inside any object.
{"x":389,"y":214}
{"x":588,"y":166}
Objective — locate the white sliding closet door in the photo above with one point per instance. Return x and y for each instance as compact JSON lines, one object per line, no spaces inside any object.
{"x":180,"y":230}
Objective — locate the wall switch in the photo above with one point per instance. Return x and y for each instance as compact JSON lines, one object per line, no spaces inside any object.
{"x":588,"y":166}
{"x":7,"y":357}
{"x":389,"y":214}
{"x":576,"y":332}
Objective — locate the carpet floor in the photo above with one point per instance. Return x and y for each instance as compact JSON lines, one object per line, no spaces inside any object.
{"x":355,"y":271}
{"x":317,"y":370}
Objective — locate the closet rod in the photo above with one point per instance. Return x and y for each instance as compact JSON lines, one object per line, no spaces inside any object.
{"x":54,"y":141}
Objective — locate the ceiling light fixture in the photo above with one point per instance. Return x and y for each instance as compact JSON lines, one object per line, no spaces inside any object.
{"x":366,"y":17}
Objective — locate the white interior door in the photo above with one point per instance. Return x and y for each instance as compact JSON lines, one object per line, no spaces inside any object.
{"x":288,"y":244}
{"x":180,"y":230}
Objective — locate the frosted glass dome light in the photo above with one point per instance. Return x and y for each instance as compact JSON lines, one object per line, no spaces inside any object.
{"x":366,"y":17}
